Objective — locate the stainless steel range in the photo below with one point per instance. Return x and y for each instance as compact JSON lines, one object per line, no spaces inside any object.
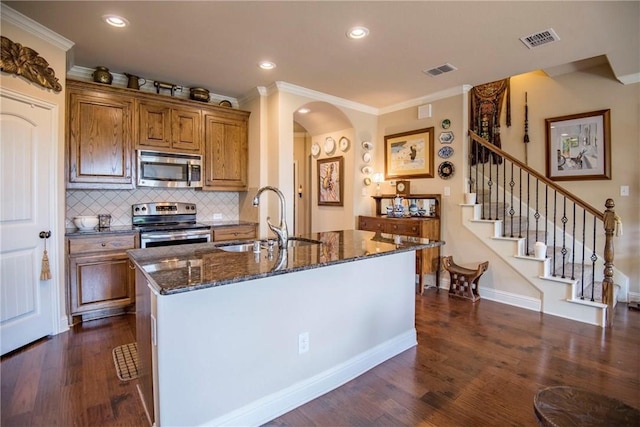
{"x":168,"y":224}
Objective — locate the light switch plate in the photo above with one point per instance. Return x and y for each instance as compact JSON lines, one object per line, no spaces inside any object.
{"x":447,"y":191}
{"x":624,"y":190}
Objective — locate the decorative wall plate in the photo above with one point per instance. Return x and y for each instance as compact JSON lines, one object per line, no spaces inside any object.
{"x":344,"y":143}
{"x":445,"y":170}
{"x":329,"y":145}
{"x":367,"y":181}
{"x":366,"y":157}
{"x":446,"y":124}
{"x":445,"y":152}
{"x":367,"y":170}
{"x":315,"y":149}
{"x":446,"y":137}
{"x":367,"y":145}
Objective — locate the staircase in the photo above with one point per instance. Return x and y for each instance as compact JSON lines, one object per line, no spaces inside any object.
{"x":517,"y":207}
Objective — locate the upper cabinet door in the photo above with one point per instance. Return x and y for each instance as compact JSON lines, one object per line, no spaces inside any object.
{"x":169,"y":127}
{"x":226,"y":154}
{"x":186,"y":130}
{"x":99,"y":139}
{"x":154,"y":125}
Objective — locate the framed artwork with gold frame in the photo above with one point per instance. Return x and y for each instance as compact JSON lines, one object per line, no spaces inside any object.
{"x":409,"y":154}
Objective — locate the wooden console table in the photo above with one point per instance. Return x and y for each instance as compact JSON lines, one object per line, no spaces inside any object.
{"x":427,"y":260}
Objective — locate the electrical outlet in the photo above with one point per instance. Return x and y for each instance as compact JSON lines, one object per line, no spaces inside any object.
{"x":217,"y":216}
{"x":624,"y":190}
{"x":303,"y":342}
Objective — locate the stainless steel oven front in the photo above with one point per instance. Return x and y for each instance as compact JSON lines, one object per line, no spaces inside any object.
{"x":150,"y":239}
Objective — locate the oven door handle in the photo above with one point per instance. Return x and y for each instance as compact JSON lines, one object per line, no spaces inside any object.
{"x":174,"y":235}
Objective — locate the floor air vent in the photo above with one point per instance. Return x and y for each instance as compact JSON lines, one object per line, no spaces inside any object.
{"x":440,"y":70}
{"x":540,"y":38}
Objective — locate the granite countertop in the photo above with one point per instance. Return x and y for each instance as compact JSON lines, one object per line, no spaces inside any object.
{"x":183,"y":268}
{"x":215,"y":224}
{"x":119,"y":229}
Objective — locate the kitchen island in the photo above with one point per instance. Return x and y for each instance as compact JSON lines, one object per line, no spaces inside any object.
{"x":239,"y":338}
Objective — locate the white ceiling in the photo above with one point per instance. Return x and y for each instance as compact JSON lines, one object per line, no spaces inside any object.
{"x":217,"y":44}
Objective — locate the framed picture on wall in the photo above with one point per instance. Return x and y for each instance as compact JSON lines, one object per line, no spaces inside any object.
{"x":579,"y":147}
{"x":409,"y":154}
{"x":331,"y":181}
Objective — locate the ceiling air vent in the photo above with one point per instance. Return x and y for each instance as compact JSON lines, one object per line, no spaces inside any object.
{"x":440,"y":70}
{"x":540,"y":38}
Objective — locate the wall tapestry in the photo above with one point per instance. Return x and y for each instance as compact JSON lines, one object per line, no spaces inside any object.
{"x":25,"y":62}
{"x":486,"y":107}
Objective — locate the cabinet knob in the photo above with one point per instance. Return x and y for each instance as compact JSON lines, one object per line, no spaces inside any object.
{"x":103,"y":244}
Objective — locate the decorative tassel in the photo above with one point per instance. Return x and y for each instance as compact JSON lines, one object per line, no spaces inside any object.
{"x":45,"y":273}
{"x":618,"y":226}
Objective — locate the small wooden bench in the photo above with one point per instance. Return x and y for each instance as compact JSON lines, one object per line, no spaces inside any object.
{"x":464,"y":281}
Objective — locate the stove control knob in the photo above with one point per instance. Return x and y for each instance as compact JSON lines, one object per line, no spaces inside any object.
{"x":137,"y":209}
{"x":144,"y":208}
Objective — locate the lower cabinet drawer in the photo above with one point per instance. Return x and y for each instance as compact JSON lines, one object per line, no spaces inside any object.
{"x":101,"y":243}
{"x":371,"y":224}
{"x":236,"y":232}
{"x":403,"y":228}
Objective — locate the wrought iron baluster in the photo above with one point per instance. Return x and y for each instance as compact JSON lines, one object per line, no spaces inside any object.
{"x":490,"y":185}
{"x":527,"y":210}
{"x":555,"y":210}
{"x":584,"y":243}
{"x":573,"y":247}
{"x":594,"y":258}
{"x":536,"y":214}
{"x":512,"y":211}
{"x":504,"y":195}
{"x":520,"y":205}
{"x":483,"y":199}
{"x":564,"y":234}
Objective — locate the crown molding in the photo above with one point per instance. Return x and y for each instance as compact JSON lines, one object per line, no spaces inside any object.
{"x":320,"y":96}
{"x":280,"y":86}
{"x":447,"y":93}
{"x":29,"y":25}
{"x":629,"y":79}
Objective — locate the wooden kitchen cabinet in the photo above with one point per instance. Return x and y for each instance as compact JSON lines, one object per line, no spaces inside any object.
{"x":169,"y":126}
{"x":99,"y":138}
{"x":100,"y":280}
{"x":226,"y":152}
{"x":235,"y":232}
{"x":427,"y":260}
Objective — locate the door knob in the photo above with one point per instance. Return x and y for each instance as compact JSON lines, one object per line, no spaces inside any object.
{"x":45,"y":234}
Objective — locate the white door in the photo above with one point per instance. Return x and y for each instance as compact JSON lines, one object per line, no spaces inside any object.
{"x":27,"y":162}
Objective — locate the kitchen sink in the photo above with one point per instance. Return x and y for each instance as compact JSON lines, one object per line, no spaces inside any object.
{"x":293,"y":242}
{"x":243,"y":247}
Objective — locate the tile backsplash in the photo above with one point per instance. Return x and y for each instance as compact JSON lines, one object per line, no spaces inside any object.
{"x":118,"y":203}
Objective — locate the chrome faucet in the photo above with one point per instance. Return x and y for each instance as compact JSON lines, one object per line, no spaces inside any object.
{"x":281,"y":230}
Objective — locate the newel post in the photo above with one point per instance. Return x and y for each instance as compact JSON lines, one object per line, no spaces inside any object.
{"x":609,"y":220}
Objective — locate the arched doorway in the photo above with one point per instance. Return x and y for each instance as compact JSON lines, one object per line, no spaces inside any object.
{"x":322,"y":120}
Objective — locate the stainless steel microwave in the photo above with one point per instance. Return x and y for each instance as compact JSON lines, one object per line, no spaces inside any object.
{"x":169,"y":170}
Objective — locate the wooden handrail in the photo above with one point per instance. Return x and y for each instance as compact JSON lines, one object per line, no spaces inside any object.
{"x":586,"y":206}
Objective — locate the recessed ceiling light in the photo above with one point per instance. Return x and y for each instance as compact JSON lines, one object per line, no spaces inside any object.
{"x":304,"y":110}
{"x":358,"y":32}
{"x":267,"y":65}
{"x":115,"y":20}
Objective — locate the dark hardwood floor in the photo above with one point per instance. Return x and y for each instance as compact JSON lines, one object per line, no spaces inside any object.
{"x":475,"y":365}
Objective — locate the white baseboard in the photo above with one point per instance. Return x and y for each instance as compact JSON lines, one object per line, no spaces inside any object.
{"x":509,"y":298}
{"x":269,"y":407}
{"x":633,"y":296}
{"x":63,"y":324}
